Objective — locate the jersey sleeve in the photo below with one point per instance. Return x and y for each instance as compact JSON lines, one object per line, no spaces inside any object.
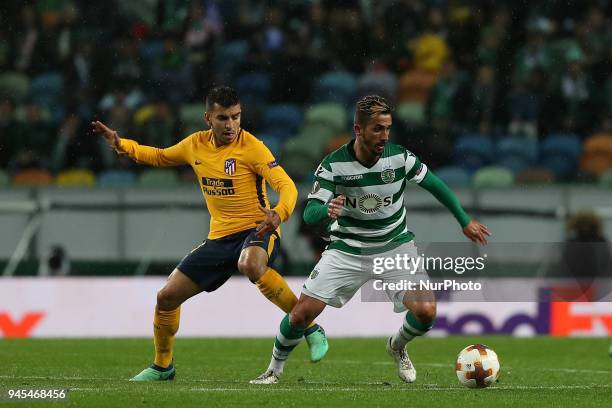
{"x":266,"y":166}
{"x":171,"y":156}
{"x":415,"y":170}
{"x":324,"y":187}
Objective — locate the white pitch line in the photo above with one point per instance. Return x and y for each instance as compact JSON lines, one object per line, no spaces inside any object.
{"x":577,"y":370}
{"x":274,"y":388}
{"x":437,"y":365}
{"x":505,"y":367}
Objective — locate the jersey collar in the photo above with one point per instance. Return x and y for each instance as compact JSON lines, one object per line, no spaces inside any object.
{"x":350,"y":146}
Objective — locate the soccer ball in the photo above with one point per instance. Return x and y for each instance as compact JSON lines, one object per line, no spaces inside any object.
{"x":477,"y":366}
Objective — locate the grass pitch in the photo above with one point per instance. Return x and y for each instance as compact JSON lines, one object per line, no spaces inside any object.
{"x":535,"y":372}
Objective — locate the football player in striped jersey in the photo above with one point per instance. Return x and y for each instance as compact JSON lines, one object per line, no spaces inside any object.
{"x":359,"y":190}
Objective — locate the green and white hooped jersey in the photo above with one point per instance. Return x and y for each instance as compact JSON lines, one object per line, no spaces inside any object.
{"x":373,"y":219}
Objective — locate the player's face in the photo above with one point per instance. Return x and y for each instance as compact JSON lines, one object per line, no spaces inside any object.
{"x":375,"y":134}
{"x":224,"y":122}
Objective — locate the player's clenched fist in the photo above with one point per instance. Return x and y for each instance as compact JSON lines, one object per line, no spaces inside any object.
{"x":335,"y":206}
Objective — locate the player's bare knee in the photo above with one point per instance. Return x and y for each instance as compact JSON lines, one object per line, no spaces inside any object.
{"x":251,"y":268}
{"x":167,"y":300}
{"x":425,"y":311}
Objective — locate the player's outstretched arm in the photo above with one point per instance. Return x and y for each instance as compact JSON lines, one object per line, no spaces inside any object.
{"x":171,"y":156}
{"x":472,"y":229}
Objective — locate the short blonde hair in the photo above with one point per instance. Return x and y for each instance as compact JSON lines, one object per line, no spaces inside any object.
{"x":369,"y":107}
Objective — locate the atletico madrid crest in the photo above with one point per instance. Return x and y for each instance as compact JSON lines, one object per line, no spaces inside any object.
{"x":230,"y":166}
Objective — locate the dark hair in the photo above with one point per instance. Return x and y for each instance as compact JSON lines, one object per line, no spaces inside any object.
{"x":371,"y":106}
{"x":223,"y":96}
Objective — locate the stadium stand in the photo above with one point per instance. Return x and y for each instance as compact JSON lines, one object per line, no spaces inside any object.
{"x":480,"y":90}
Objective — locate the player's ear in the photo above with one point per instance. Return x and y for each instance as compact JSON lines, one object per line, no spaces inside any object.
{"x":357,"y":129}
{"x":207,"y":119}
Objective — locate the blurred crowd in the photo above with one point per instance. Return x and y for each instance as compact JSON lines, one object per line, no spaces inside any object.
{"x":465,"y":77}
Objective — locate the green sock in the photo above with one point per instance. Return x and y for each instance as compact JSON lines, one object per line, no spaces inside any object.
{"x":410,"y":329}
{"x":287,"y":338}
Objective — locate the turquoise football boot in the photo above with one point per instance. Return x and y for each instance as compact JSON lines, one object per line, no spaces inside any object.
{"x":155,"y":373}
{"x":317,"y":343}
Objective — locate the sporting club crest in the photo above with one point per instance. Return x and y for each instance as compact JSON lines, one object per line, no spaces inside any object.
{"x":387,"y":175}
{"x":230,"y":166}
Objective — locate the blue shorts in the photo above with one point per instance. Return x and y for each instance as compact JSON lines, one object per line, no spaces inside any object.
{"x":212,"y":263}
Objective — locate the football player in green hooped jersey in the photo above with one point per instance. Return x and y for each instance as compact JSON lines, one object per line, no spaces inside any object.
{"x":359,"y":188}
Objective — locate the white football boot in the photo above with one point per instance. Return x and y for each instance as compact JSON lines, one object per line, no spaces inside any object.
{"x":405,"y":369}
{"x":269,"y":377}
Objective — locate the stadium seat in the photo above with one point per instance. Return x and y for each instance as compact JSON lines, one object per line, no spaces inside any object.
{"x":596,"y":156}
{"x":158,"y":178}
{"x":336,"y":142}
{"x":306,"y":146}
{"x":411,"y":113}
{"x":14,"y":85}
{"x":255,"y":85}
{"x":47,"y":88}
{"x":32,"y":177}
{"x":192,"y":118}
{"x":229,"y":56}
{"x":560,"y":154}
{"x":328,"y":114}
{"x":415,"y":86}
{"x":116,"y":178}
{"x":516,"y":153}
{"x":454,"y":176}
{"x":319,"y":134}
{"x":283,"y":119}
{"x":299,"y":166}
{"x":535,"y":175}
{"x":4,"y":179}
{"x":493,"y":176}
{"x":379,"y":82}
{"x":76,"y":178}
{"x":336,"y":86}
{"x":473,"y":152}
{"x":606,"y":179}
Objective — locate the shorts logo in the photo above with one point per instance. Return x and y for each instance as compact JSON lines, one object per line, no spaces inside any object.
{"x":387,"y":175}
{"x":315,"y":187}
{"x":314,"y":273}
{"x":370,"y":203}
{"x":230,"y":166}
